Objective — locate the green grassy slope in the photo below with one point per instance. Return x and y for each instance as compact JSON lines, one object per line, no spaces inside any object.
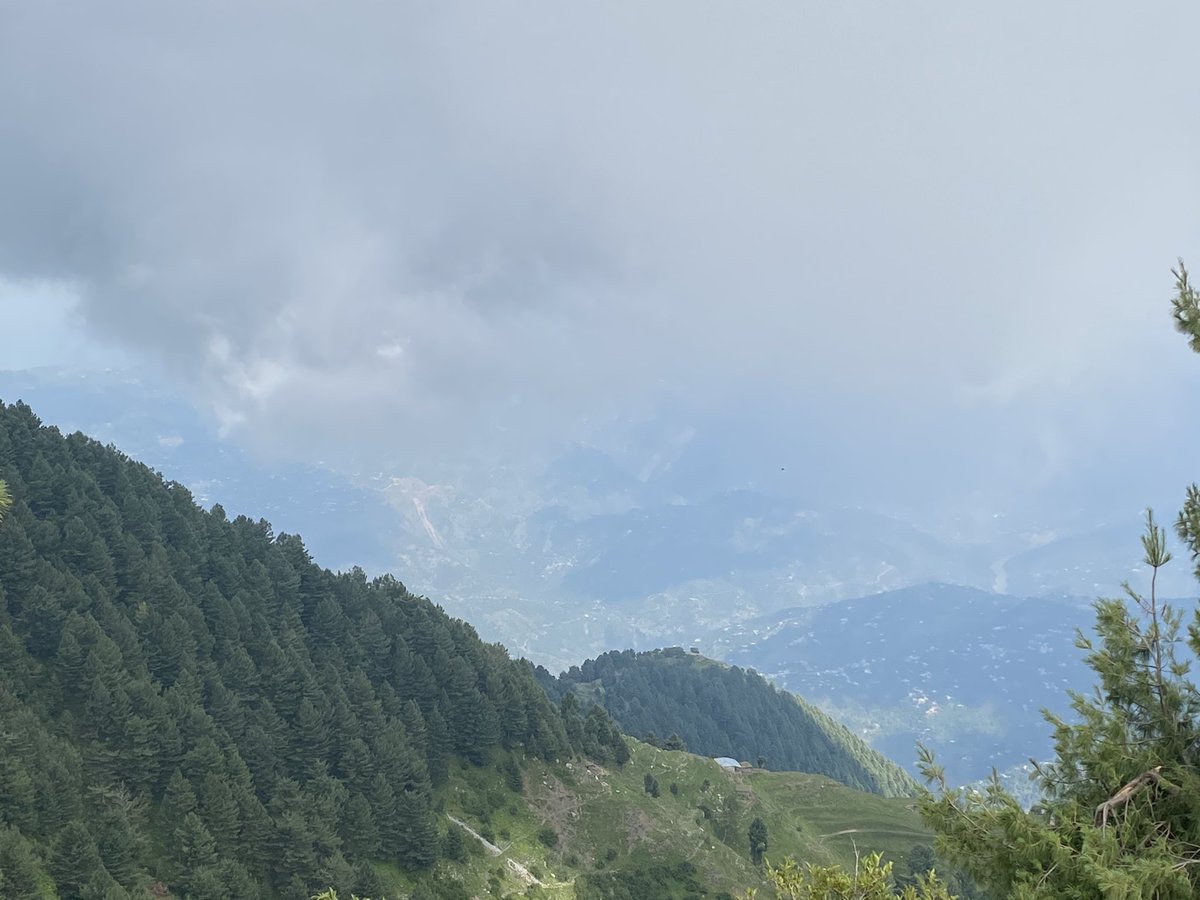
{"x":609,"y":829}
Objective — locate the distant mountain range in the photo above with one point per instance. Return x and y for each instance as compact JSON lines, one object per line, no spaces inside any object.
{"x":964,"y":670}
{"x":654,"y":545}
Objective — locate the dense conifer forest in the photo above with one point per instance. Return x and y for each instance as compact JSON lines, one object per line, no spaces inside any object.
{"x":671,"y":696}
{"x":188,"y":700}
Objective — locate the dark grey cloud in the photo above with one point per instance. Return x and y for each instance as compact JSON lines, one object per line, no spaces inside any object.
{"x":392,"y":232}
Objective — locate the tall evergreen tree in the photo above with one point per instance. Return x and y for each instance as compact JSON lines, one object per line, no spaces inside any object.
{"x":75,"y":862}
{"x":20,"y":869}
{"x":1120,"y":808}
{"x":757,"y":835}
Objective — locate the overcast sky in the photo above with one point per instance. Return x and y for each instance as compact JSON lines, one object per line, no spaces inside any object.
{"x":911,"y":247}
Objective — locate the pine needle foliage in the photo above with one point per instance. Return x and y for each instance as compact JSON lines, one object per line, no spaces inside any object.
{"x":1120,"y":810}
{"x":870,"y":879}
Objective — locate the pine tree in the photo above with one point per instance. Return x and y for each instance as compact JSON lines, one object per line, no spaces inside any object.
{"x":419,"y":847}
{"x":20,"y":867}
{"x":219,"y":812}
{"x":512,"y":776}
{"x":197,"y":849}
{"x":674,"y":742}
{"x":1120,"y":808}
{"x":18,"y":799}
{"x":117,"y":840}
{"x":178,"y":800}
{"x":367,"y":882}
{"x":75,"y":861}
{"x":358,"y":830}
{"x":758,"y":840}
{"x":454,"y":844}
{"x":650,"y":784}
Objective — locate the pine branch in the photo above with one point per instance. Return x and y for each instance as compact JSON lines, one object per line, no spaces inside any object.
{"x":1124,"y":795}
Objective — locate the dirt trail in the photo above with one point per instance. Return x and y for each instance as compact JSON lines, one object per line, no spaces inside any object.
{"x":521,"y":872}
{"x":488,"y":845}
{"x":515,"y":867}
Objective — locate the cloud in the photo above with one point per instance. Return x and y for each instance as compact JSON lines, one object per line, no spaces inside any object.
{"x":399,"y":233}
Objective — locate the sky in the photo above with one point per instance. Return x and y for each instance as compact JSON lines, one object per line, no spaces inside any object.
{"x":890,"y":251}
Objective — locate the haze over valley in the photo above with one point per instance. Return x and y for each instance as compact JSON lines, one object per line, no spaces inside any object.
{"x":597,"y":451}
{"x":903,"y":630}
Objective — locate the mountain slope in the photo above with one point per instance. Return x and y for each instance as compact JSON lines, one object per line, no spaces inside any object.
{"x":720,"y":710}
{"x":614,"y":841}
{"x":190,"y":707}
{"x":190,"y":699}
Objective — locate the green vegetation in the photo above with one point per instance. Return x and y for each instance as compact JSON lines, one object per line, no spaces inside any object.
{"x":614,"y":839}
{"x":191,"y":705}
{"x":871,"y":879}
{"x":719,"y":710}
{"x":1120,"y":809}
{"x":758,"y":840}
{"x":189,"y":700}
{"x":807,"y":816}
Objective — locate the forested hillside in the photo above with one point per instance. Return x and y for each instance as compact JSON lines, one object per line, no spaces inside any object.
{"x":190,"y":700}
{"x":720,"y":710}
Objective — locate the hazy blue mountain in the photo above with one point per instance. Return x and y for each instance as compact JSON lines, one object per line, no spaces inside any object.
{"x":1092,"y":562}
{"x":654,"y":543}
{"x":964,"y":670}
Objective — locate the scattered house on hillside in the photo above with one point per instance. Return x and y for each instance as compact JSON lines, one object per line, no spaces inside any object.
{"x":729,"y":764}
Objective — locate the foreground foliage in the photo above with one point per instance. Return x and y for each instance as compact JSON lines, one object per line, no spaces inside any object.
{"x":870,"y":879}
{"x":1120,"y":810}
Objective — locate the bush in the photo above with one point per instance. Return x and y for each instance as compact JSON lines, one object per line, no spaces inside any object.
{"x":548,"y":836}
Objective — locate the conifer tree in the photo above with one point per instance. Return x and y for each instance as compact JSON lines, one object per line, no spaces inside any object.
{"x":1120,"y":808}
{"x":75,"y":861}
{"x":359,"y":834}
{"x":758,"y":840}
{"x":19,"y":867}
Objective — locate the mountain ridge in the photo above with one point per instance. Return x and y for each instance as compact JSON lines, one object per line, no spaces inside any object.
{"x":719,"y":709}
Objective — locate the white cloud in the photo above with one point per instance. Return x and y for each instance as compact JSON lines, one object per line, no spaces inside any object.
{"x":440,"y":227}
